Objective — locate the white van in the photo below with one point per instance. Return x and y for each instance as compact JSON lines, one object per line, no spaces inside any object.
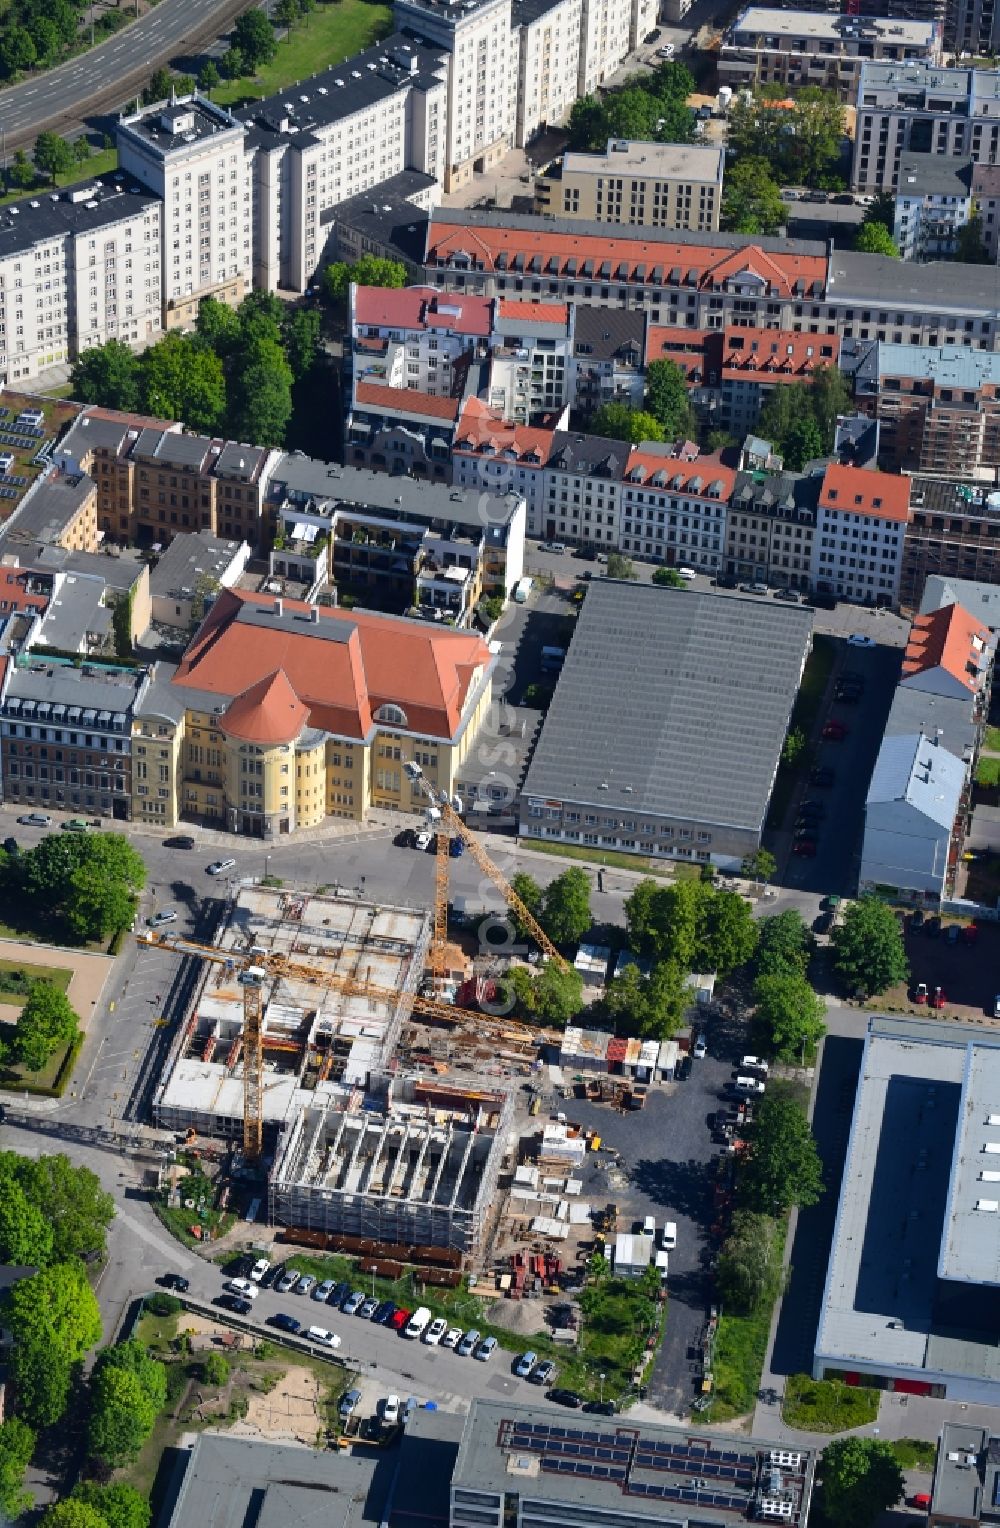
{"x":418,"y":1322}
{"x":668,"y":1236}
{"x":649,"y":1226}
{"x":748,"y":1085}
{"x":521,"y":590}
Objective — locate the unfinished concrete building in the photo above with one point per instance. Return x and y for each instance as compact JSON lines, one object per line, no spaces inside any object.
{"x":320,"y":1042}
{"x":416,"y":1161}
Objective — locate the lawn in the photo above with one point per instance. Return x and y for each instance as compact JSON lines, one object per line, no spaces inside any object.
{"x":16,"y":980}
{"x":827,"y":1405}
{"x":991,"y":741}
{"x":332,"y":33}
{"x":914,"y":1453}
{"x":738,"y":1357}
{"x":52,"y":1079}
{"x":611,"y":857}
{"x":988,"y":772}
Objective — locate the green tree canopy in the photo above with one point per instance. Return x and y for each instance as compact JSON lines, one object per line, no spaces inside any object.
{"x":208,"y":77}
{"x":617,"y":421}
{"x":46,"y":1022}
{"x":665,"y":920}
{"x":861,"y":1478}
{"x":789,"y":414}
{"x":89,"y":880}
{"x":791,"y":1013}
{"x":17,"y":1444}
{"x":784,"y":1166}
{"x":802,"y":144}
{"x":368,"y":270}
{"x":527,"y":888}
{"x":119,"y":1504}
{"x":107,"y":375}
{"x":53,"y":155}
{"x":181,"y":377}
{"x":566,"y":906}
{"x":751,"y":200}
{"x":215,"y":1369}
{"x":254,"y":36}
{"x":302,"y":336}
{"x":803,"y":443}
{"x":669,"y":578}
{"x":649,"y":1007}
{"x":17,"y":50}
{"x":127,"y":1391}
{"x":620,"y":566}
{"x":784,"y":944}
{"x":749,"y":1268}
{"x":668,"y":401}
{"x":76,"y":1208}
{"x":761,"y":865}
{"x":868,"y":950}
{"x":875,"y":239}
{"x":729,"y":933}
{"x":73,"y":1513}
{"x":552,"y":996}
{"x":54,"y":1319}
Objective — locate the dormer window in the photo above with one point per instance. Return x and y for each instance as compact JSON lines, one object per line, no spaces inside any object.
{"x":392,"y":715}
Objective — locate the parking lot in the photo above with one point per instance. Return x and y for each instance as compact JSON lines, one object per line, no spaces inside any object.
{"x":966,"y":973}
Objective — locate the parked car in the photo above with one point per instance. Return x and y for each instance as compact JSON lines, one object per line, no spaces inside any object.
{"x":822,"y":923}
{"x":369,"y":1308}
{"x":858,"y":639}
{"x":288,"y":1281}
{"x":243,"y":1287}
{"x":456,"y":848}
{"x":937,"y":998}
{"x":75,"y":825}
{"x":236,"y":1303}
{"x":285,"y":1323}
{"x":787,"y":594}
{"x":34,"y":820}
{"x":917,"y":920}
{"x":219,"y":867}
{"x":390,"y":1410}
{"x":325,"y":1290}
{"x":180,"y":841}
{"x":435,"y":1332}
{"x":565,"y":1398}
{"x":259,"y":1269}
{"x":667,"y":51}
{"x":410,"y":1405}
{"x":524,"y":1365}
{"x":452,"y":1337}
{"x":700,"y":1048}
{"x":399,"y":1318}
{"x":834,"y":732}
{"x":654,"y":36}
{"x":932,"y":927}
{"x":543,"y":1373}
{"x":174,"y":1281}
{"x":339,"y":1293}
{"x":353,"y":1303}
{"x":970,"y":933}
{"x":349,"y":1403}
{"x":423,"y":840}
{"x":486,"y":1349}
{"x":323,"y":1336}
{"x":384,"y":1313}
{"x":158,"y":920}
{"x":682,"y":1071}
{"x":305,"y":1284}
{"x":805,"y":848}
{"x":953,"y":933}
{"x":688,"y":574}
{"x":469,"y":1342}
{"x":552,"y":546}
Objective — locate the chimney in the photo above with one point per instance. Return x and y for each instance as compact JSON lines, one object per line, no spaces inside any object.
{"x":279,"y":607}
{"x":314,"y":614}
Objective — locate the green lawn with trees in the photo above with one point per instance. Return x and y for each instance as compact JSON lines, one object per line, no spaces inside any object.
{"x":800,"y":420}
{"x":751,"y":198}
{"x":651,"y":106}
{"x":321,"y":37}
{"x":802,"y":144}
{"x":367,"y":270}
{"x":827,"y":1405}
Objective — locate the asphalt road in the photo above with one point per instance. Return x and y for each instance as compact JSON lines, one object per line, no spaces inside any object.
{"x":112,"y":73}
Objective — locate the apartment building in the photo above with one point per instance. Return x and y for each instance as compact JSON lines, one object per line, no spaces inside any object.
{"x":548,"y":42}
{"x":756,"y":361}
{"x":401,"y":430}
{"x":607,"y":367}
{"x":801,"y":47}
{"x":861,"y":521}
{"x":938,"y":408}
{"x":923,"y":109}
{"x":416,"y":337}
{"x":934,"y":200}
{"x":77,"y":268}
{"x":986,"y":200}
{"x":190,"y":153}
{"x":493,"y":455}
{"x":771,"y":527}
{"x":153,"y":480}
{"x":954,"y":533}
{"x":673,"y":506}
{"x":293,"y":713}
{"x":655,"y":185}
{"x":531,"y":358}
{"x":582,"y":489}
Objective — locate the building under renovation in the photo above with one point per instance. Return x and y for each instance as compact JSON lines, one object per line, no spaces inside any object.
{"x":415,"y":1161}
{"x":341,"y":974}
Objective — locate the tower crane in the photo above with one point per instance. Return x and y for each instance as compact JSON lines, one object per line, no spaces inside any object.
{"x":253,"y":966}
{"x":443,"y":817}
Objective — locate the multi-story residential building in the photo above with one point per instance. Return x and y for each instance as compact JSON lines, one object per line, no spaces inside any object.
{"x":583,"y":485}
{"x":756,"y":361}
{"x":926,"y":109}
{"x":654,"y":185}
{"x":77,"y":268}
{"x":673,"y":506}
{"x":771,"y":526}
{"x":191,"y":155}
{"x":954,"y":532}
{"x":531,"y":358}
{"x":861,"y":520}
{"x":153,"y":481}
{"x":401,"y":430}
{"x":416,"y":337}
{"x":802,"y":47}
{"x":938,"y":408}
{"x":986,"y":206}
{"x":482,"y":78}
{"x":494,"y":455}
{"x":293,"y":713}
{"x":934,"y":199}
{"x":607,"y":366}
{"x":548,"y":38}
{"x":66,"y":745}
{"x":393,"y":225}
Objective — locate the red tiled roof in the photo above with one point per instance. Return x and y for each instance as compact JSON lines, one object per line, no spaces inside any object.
{"x":340,"y":684}
{"x":685,"y":347}
{"x":948,"y":638}
{"x":710,"y":265}
{"x":268,"y":712}
{"x":422,"y":307}
{"x":678,"y":476}
{"x":480,"y":426}
{"x":863,"y":492}
{"x":775,"y":355}
{"x":13,"y":593}
{"x":404,"y":399}
{"x":534,"y":312}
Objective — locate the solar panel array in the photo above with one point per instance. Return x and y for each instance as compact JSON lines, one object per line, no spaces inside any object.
{"x":23,"y":436}
{"x":689,"y":1496}
{"x":13,"y":479}
{"x":569,"y":1442}
{"x":584,"y":1467}
{"x":9,"y":493}
{"x":692,"y":1460}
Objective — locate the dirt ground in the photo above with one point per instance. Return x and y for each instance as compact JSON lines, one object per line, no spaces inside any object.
{"x":289,"y":1414}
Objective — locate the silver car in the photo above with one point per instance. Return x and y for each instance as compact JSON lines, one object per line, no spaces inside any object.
{"x":468,"y":1343}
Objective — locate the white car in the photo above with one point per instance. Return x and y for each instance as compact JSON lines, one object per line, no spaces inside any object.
{"x":754,"y":1064}
{"x":667,"y":51}
{"x":435,"y":1332}
{"x":243,"y":1287}
{"x":35,"y":820}
{"x":423,"y":839}
{"x":452,"y":1337}
{"x":688,"y":575}
{"x":320,"y":1334}
{"x":668,"y":1236}
{"x":259,"y":1269}
{"x":219,"y":867}
{"x":390,"y":1410}
{"x":700,"y":1048}
{"x":858,"y":639}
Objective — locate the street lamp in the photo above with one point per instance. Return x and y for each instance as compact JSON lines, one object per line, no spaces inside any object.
{"x":603,"y":1377}
{"x":267,"y":866}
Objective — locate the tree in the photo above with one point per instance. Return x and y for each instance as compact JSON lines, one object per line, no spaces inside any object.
{"x":761,"y":865}
{"x":17,"y":50}
{"x":181,"y":377}
{"x":491,"y":608}
{"x":793,"y":747}
{"x":233,"y":65}
{"x":790,"y":1011}
{"x":803,"y":443}
{"x":527,"y":888}
{"x":749,"y":1267}
{"x":829,"y":397}
{"x":566,"y":907}
{"x":21,"y":174}
{"x":262,"y":402}
{"x":620,"y":566}
{"x":875,"y":239}
{"x":54,"y":1319}
{"x":553,"y":996}
{"x":90,"y":881}
{"x":76,"y":1208}
{"x":729,"y":933}
{"x":784,"y":1166}
{"x":868,"y":950}
{"x":286,"y":12}
{"x":73,"y":1513}
{"x":158,"y":88}
{"x":121,"y":1416}
{"x":53,"y":155}
{"x":969,"y":246}
{"x":666,"y":921}
{"x":647,"y":1006}
{"x":881,"y":209}
{"x":302,"y":336}
{"x":617,"y":421}
{"x":587,"y":124}
{"x":81,"y":149}
{"x":208,"y":77}
{"x":368,"y":270}
{"x":801,"y":144}
{"x":46,"y":39}
{"x":119,"y":1505}
{"x":107,"y":375}
{"x":751,"y":199}
{"x":45,"y":1023}
{"x":783,"y":944}
{"x":669,"y":578}
{"x":218,"y":325}
{"x":861,"y":1478}
{"x":215,"y":1369}
{"x":17,"y":1444}
{"x":667,"y":399}
{"x":254,"y":36}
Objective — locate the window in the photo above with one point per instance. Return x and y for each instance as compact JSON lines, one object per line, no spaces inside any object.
{"x":393,"y":715}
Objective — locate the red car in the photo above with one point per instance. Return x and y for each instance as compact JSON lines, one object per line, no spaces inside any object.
{"x":970,"y":933}
{"x":836,"y":731}
{"x":399,"y":1319}
{"x":937,"y":998}
{"x":806,"y":847}
{"x":920,"y":992}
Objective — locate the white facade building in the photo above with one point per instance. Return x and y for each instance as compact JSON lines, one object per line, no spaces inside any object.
{"x":191,"y":154}
{"x":673,"y":508}
{"x":913,"y":802}
{"x":548,"y":64}
{"x":934,"y":200}
{"x":861,"y":520}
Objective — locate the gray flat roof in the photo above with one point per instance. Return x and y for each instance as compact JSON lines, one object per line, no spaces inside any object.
{"x":970,"y":1252}
{"x":90,"y":690}
{"x":672,"y":702}
{"x":302,"y":477}
{"x":947,"y":365}
{"x":190,"y":556}
{"x":981,"y":600}
{"x":48,"y":508}
{"x":934,"y":175}
{"x":958,"y":1489}
{"x":939,"y":285}
{"x":647,"y":1472}
{"x":637,"y":157}
{"x":917,"y":75}
{"x":914,"y":710}
{"x":77,"y":611}
{"x":756,"y":19}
